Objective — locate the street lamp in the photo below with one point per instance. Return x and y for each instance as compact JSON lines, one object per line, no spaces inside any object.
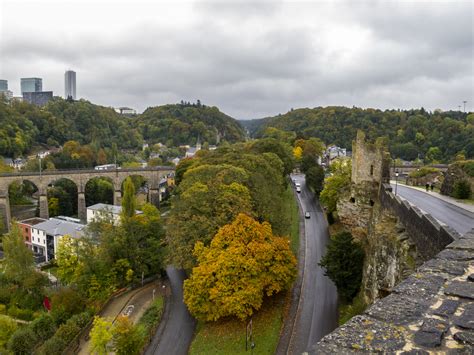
{"x":396,"y":181}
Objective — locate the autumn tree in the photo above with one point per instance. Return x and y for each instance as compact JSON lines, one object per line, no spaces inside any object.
{"x":100,"y":335}
{"x":243,"y":263}
{"x":127,"y":338}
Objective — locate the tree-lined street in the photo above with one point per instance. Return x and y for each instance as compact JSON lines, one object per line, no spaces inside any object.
{"x":317,"y":310}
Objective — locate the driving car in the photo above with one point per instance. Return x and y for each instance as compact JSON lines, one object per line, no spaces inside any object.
{"x":306,"y":215}
{"x":298,"y":189}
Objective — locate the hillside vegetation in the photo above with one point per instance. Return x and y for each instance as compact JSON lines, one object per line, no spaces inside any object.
{"x":435,"y":136}
{"x":23,"y":127}
{"x":185,"y":123}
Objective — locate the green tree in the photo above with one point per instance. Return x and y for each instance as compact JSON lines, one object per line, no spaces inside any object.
{"x":127,"y":338}
{"x":462,"y":189}
{"x":7,"y":328}
{"x":336,"y":184}
{"x":43,"y":327}
{"x":315,"y":178}
{"x":129,"y":204}
{"x":343,"y":264}
{"x":244,"y":262}
{"x":18,"y":262}
{"x":22,"y":341}
{"x":100,"y":335}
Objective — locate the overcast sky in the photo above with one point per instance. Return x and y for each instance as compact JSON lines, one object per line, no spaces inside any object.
{"x":251,"y":59}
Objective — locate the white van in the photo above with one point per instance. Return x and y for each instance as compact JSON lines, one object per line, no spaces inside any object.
{"x":298,"y":189}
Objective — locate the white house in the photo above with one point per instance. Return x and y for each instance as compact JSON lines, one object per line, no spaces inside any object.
{"x":45,"y":236}
{"x":102,"y":211}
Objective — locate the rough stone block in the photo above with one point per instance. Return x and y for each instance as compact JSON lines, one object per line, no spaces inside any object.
{"x":451,"y":254}
{"x":447,"y":308}
{"x":362,"y":334}
{"x":463,"y":289}
{"x":464,"y":338}
{"x":463,"y":244}
{"x":451,"y":267}
{"x":420,"y":285}
{"x":428,"y":339}
{"x":399,"y":309}
{"x":466,"y":319}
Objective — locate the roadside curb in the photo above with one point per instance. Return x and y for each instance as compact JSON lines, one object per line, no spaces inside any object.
{"x":289,"y":321}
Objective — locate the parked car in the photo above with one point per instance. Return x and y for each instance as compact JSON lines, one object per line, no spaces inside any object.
{"x":307,"y":215}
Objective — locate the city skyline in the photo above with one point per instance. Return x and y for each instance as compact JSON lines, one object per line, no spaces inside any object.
{"x":249,"y":59}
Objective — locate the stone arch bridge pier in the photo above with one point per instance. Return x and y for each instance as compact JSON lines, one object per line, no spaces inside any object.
{"x":80,"y":177}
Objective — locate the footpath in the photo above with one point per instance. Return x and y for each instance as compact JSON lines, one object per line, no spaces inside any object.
{"x":448,"y":199}
{"x":138,"y":300}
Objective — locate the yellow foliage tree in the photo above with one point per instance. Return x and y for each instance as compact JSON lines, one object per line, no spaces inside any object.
{"x":298,"y":153}
{"x":244,"y":262}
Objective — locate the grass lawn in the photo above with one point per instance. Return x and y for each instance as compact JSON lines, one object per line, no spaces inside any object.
{"x":228,"y":336}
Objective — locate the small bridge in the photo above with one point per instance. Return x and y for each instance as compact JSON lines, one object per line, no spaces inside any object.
{"x":80,"y":177}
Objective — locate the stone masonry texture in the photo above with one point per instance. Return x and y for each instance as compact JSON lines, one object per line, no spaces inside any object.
{"x":430,"y":311}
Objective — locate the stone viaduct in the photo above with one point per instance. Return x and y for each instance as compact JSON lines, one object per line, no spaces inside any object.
{"x":80,"y":178}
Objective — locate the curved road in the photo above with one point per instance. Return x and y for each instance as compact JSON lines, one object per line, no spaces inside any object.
{"x":178,"y":330}
{"x":456,"y":217}
{"x":317,"y":310}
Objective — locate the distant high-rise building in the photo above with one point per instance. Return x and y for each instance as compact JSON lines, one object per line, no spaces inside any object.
{"x":3,"y":85}
{"x":70,"y":84}
{"x":31,"y":85}
{"x":39,"y":98}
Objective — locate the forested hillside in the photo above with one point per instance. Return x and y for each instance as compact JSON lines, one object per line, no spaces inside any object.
{"x":184,"y":123}
{"x":435,"y":136}
{"x":24,"y":126}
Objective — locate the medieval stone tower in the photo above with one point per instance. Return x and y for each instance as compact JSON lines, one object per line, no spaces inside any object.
{"x":370,"y":168}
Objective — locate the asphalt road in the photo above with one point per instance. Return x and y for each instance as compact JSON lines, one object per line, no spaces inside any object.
{"x":317,"y":310}
{"x":178,"y":331}
{"x":457,"y":218}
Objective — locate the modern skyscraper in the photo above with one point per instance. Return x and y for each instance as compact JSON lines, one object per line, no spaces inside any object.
{"x":3,"y":85}
{"x":70,"y":84}
{"x":31,"y":85}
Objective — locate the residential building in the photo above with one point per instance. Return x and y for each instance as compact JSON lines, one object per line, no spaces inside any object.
{"x":25,"y":228}
{"x":333,"y":152}
{"x":102,"y":211}
{"x":126,"y":111}
{"x":45,"y":236}
{"x":38,"y":98}
{"x":31,"y":85}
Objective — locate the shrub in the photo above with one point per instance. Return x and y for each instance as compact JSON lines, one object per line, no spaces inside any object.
{"x":3,"y":309}
{"x":469,"y":168}
{"x":65,"y":303}
{"x":65,"y":334}
{"x":423,"y":171}
{"x":343,"y":263}
{"x":22,"y":341}
{"x":462,"y":189}
{"x":55,"y":345}
{"x":7,"y":327}
{"x":43,"y":327}
{"x":24,"y":314}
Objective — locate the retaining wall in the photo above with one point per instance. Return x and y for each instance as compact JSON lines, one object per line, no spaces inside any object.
{"x":429,"y":236}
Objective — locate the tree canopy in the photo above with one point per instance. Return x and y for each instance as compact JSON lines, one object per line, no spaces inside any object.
{"x":243,"y":263}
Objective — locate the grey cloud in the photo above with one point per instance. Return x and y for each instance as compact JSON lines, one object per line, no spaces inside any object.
{"x":251,"y":60}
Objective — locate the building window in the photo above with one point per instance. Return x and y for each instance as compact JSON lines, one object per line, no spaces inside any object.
{"x":371,"y":170}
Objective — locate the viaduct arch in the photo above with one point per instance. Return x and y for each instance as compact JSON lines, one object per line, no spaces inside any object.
{"x":80,"y":177}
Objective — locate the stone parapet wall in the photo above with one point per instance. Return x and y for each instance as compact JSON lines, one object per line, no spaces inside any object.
{"x":430,"y":311}
{"x":429,"y":236}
